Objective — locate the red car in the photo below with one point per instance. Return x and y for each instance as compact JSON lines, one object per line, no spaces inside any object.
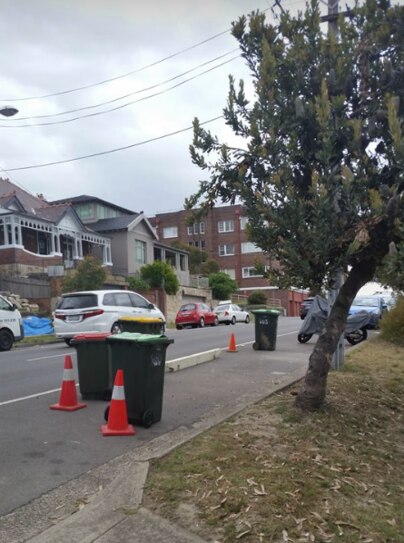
{"x":195,"y":314}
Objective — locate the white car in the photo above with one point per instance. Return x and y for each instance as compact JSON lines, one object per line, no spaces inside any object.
{"x":11,"y":328}
{"x":99,"y":311}
{"x":231,"y":313}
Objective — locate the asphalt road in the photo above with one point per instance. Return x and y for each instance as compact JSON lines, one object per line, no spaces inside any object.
{"x":41,"y":448}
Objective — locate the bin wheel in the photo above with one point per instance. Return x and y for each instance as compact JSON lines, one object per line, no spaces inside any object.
{"x":147,"y":419}
{"x":255,"y":346}
{"x":106,"y":414}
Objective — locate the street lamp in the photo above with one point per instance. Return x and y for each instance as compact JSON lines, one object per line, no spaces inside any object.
{"x":8,"y":111}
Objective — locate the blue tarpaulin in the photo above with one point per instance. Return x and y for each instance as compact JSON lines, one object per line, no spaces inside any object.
{"x":37,"y":326}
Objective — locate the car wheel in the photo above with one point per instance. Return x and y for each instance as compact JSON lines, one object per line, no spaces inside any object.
{"x":6,"y":340}
{"x":247,"y":319}
{"x":304,"y":338}
{"x":68,"y":341}
{"x":116,"y":328}
{"x":215,"y":322}
{"x":357,"y":336}
{"x":233,"y":320}
{"x":201,"y":322}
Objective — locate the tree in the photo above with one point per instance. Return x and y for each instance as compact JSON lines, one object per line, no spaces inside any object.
{"x":89,"y":275}
{"x":222,"y":285}
{"x":319,"y":167}
{"x":391,"y":272}
{"x":160,"y":275}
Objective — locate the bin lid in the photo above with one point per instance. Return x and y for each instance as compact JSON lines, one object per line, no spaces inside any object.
{"x":91,"y":336}
{"x":266,"y":311}
{"x":140,"y":319}
{"x":140,"y":338}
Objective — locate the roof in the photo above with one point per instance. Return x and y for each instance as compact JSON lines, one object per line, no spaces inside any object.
{"x":30,"y":202}
{"x":117,"y":223}
{"x":85,"y":198}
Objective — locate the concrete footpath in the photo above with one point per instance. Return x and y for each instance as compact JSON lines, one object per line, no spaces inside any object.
{"x":105,"y":504}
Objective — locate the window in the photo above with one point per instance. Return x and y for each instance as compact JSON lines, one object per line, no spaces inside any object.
{"x":251,"y":272}
{"x":138,"y":301}
{"x":196,"y":228}
{"x":225,"y":250}
{"x":243,"y":222}
{"x":140,"y":247}
{"x":226,"y":226}
{"x":85,"y":211}
{"x":231,"y":272}
{"x":170,"y":232}
{"x":122,"y":299}
{"x":248,"y":247}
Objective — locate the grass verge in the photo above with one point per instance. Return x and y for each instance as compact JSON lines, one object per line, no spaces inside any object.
{"x":37,"y":340}
{"x":274,"y":474}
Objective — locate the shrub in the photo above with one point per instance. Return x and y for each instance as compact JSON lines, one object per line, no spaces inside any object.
{"x":137,"y":283}
{"x":222,"y":285}
{"x":89,"y":275}
{"x":160,"y":275}
{"x":392,"y":324}
{"x":257,"y":297}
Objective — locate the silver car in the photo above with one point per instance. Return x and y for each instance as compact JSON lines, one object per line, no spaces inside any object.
{"x":99,"y":311}
{"x":229,"y":313}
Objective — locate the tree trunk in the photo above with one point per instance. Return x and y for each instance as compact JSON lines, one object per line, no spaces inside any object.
{"x":312,"y":395}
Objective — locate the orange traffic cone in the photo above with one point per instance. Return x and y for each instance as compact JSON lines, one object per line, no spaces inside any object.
{"x":117,"y":415}
{"x":232,"y":345}
{"x":68,"y":395}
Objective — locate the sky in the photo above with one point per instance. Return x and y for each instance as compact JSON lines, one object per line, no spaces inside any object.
{"x":48,"y":47}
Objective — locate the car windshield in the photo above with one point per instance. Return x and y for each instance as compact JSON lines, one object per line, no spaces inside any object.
{"x":77,"y":301}
{"x":366,"y":302}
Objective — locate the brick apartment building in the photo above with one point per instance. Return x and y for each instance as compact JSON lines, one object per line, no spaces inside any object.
{"x":222,"y":235}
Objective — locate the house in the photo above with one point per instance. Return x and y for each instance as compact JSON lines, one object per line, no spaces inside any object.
{"x":222,"y":234}
{"x":36,"y":236}
{"x":134,"y":241}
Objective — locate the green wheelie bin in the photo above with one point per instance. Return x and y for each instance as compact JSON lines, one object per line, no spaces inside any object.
{"x":266,"y":326}
{"x":93,"y":365}
{"x":142,"y":358}
{"x":142,"y":325}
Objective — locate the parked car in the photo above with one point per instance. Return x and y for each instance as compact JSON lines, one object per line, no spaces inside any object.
{"x":229,"y":313}
{"x":11,"y":328}
{"x":375,"y":305}
{"x":195,"y":314}
{"x":305,"y":306}
{"x":99,"y":311}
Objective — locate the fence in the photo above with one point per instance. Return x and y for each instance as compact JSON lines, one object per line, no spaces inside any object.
{"x":26,"y":287}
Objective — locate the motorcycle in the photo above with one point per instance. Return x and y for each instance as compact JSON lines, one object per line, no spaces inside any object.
{"x":355,"y":329}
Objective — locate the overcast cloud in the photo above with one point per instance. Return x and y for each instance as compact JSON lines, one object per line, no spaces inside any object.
{"x":49,"y":46}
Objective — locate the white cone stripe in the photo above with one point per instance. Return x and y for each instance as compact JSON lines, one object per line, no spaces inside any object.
{"x":118,"y":393}
{"x":68,"y":375}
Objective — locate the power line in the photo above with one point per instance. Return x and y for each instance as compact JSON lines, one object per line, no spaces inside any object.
{"x":110,"y":151}
{"x":50,"y":115}
{"x":103,"y":82}
{"x":64,"y":121}
{"x":121,"y":76}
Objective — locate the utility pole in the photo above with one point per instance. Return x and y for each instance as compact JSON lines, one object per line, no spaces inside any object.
{"x":333,"y":17}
